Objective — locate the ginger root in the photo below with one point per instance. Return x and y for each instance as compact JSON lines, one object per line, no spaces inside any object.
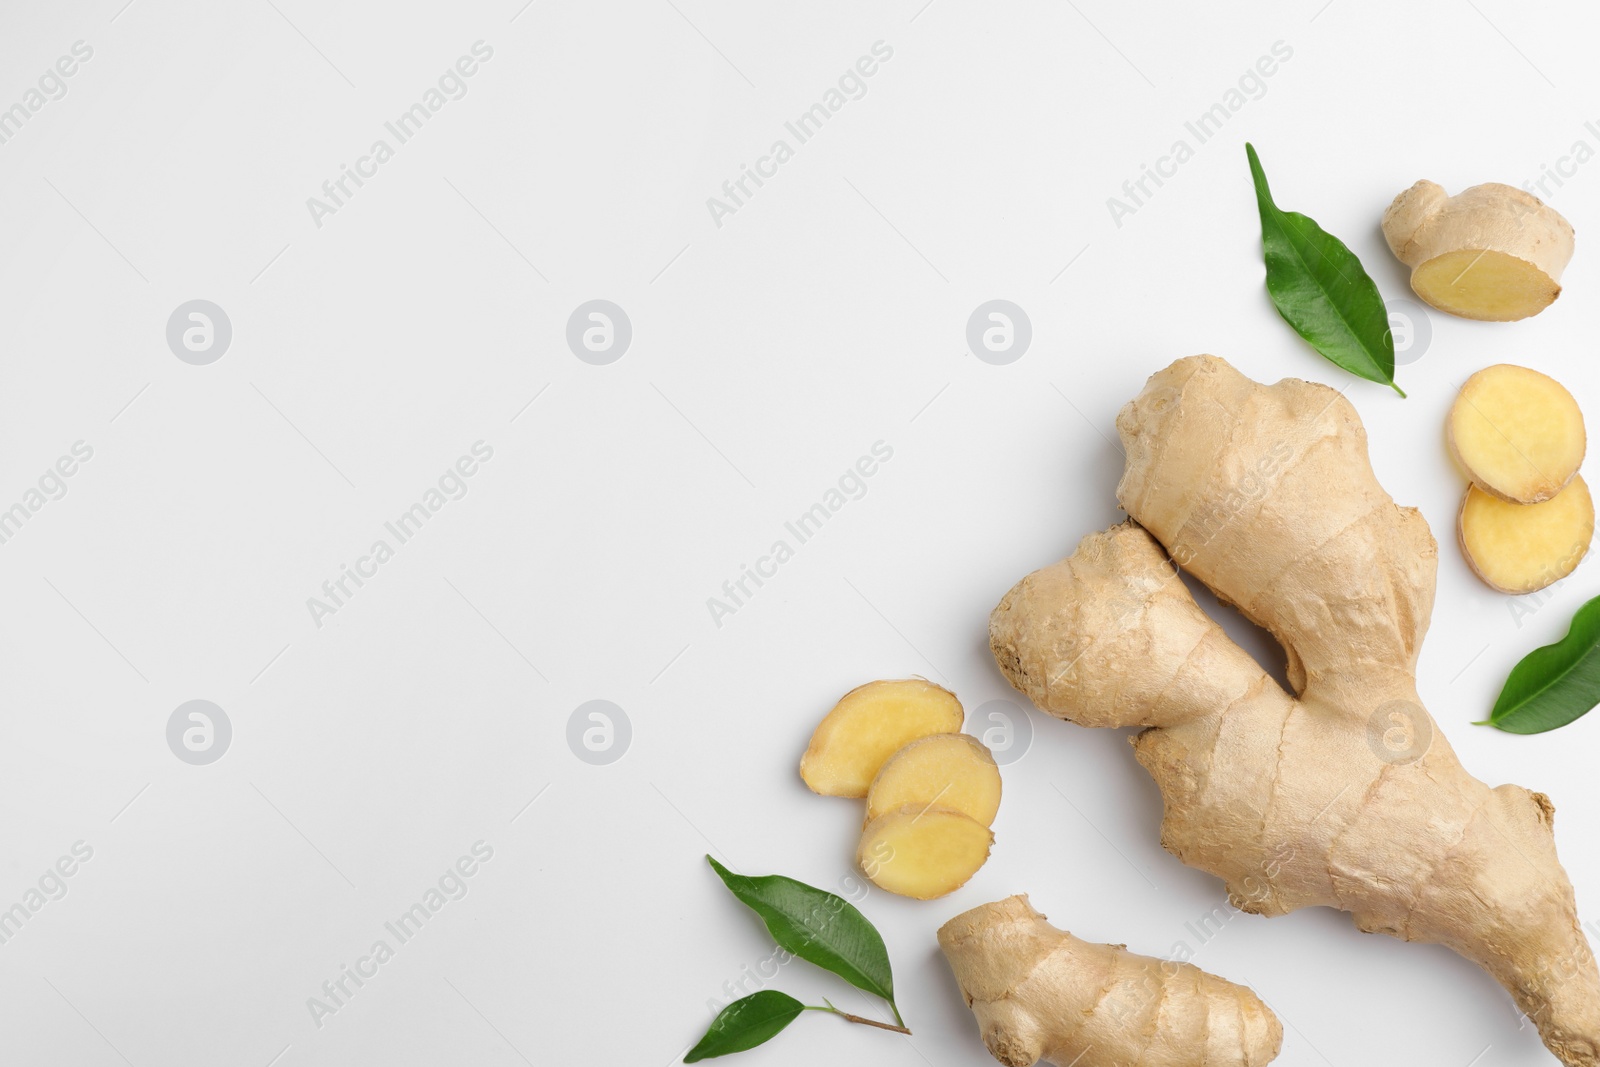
{"x":1490,"y":252}
{"x":1518,"y":433}
{"x":868,"y":725}
{"x":1521,"y":548}
{"x":1342,"y":793}
{"x":1040,"y":993}
{"x":952,"y":770}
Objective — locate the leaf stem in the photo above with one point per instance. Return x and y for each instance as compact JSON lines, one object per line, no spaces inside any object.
{"x":859,"y":1019}
{"x":1399,"y":390}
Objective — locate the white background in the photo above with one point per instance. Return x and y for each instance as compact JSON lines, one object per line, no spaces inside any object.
{"x":768,"y":354}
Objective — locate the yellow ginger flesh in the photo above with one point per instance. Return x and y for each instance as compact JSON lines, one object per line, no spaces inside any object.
{"x":1517,"y":433}
{"x":1521,"y":548}
{"x":869,"y":724}
{"x":951,"y":770}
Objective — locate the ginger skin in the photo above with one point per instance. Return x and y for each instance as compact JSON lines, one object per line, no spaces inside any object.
{"x":1343,"y":794}
{"x":1040,"y":993}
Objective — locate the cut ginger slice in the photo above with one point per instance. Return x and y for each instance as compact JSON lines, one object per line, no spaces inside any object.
{"x":1518,"y":433}
{"x":1484,"y":284}
{"x":922,"y":852}
{"x":954,"y":771}
{"x":869,"y":724}
{"x":1521,"y":548}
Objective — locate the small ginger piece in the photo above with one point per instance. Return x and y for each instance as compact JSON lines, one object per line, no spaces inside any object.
{"x":953,"y":771}
{"x":1518,"y":433}
{"x":1490,"y":252}
{"x":1521,"y":548}
{"x":1040,"y":993}
{"x":922,"y":851}
{"x":869,"y":724}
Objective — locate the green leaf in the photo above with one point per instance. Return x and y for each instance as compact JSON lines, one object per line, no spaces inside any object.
{"x":746,"y":1023}
{"x":817,"y":926}
{"x":1555,"y":684}
{"x":1320,"y":288}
